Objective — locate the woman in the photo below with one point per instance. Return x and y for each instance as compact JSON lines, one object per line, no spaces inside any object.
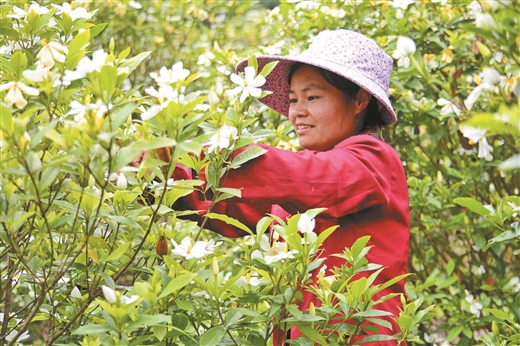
{"x":335,"y":95}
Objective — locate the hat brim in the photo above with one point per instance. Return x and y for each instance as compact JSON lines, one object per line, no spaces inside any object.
{"x":277,"y":83}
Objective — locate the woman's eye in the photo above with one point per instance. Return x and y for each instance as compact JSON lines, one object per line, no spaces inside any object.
{"x":293,"y":100}
{"x":311,"y":98}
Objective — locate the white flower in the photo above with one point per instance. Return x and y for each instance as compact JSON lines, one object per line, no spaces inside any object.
{"x":448,"y":107}
{"x":86,"y":66}
{"x":402,"y":4}
{"x":490,"y":77}
{"x":474,"y":305}
{"x":474,"y":8}
{"x":50,"y":53}
{"x":15,"y":93}
{"x":248,"y":280}
{"x":121,"y":181}
{"x":480,"y":270}
{"x":135,"y":4}
{"x":405,"y":47}
{"x":485,"y":20}
{"x":478,"y":136}
{"x":222,"y":138}
{"x":473,"y":97}
{"x":306,"y":224}
{"x":188,"y":251}
{"x":515,"y":282}
{"x":111,"y":296}
{"x":165,"y":92}
{"x":274,"y":253}
{"x":157,"y":184}
{"x":205,"y":59}
{"x":13,"y":336}
{"x":149,"y":113}
{"x":75,"y":293}
{"x":74,"y":14}
{"x":166,"y":77}
{"x":249,"y":85}
{"x":21,"y":14}
{"x":213,"y":99}
{"x":78,"y":110}
{"x":38,"y":75}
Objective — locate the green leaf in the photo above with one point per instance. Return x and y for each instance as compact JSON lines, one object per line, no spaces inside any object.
{"x":455,"y":332}
{"x":268,"y":68}
{"x":6,"y":120}
{"x":96,"y":29}
{"x":375,"y":338}
{"x":473,"y":205}
{"x":230,"y":221}
{"x":107,"y":82}
{"x":147,"y":321}
{"x":92,"y":329}
{"x":18,"y":62}
{"x":117,"y":253}
{"x":213,"y":336}
{"x":77,"y":49}
{"x":249,"y":154}
{"x":372,"y":313}
{"x":253,"y":61}
{"x":312,"y":334}
{"x":176,"y":284}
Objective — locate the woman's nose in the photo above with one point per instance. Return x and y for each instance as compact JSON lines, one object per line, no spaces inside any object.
{"x":297,"y":110}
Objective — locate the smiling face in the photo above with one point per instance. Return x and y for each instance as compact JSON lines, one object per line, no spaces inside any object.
{"x":320,"y":114}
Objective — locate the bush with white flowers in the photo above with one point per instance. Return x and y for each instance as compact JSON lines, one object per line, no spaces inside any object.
{"x":92,"y":249}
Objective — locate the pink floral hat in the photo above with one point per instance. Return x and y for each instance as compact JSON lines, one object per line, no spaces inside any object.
{"x":343,"y":52}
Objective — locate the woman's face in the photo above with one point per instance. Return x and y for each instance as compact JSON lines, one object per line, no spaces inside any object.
{"x":319,"y":113}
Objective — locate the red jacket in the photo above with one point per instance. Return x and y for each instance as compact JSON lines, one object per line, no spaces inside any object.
{"x":360,"y":181}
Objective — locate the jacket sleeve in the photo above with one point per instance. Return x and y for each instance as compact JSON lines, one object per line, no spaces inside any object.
{"x":357,"y":174}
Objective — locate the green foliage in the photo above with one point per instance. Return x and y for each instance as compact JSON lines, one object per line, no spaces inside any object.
{"x":85,"y":90}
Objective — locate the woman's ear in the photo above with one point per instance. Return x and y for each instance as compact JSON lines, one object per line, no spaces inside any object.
{"x":362,"y":99}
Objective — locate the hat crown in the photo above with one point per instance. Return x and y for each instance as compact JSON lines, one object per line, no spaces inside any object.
{"x":353,"y":51}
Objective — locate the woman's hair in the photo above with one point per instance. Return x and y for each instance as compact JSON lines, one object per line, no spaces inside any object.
{"x":349,"y":89}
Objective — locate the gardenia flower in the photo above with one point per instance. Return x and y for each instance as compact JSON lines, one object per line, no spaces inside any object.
{"x":478,"y":136}
{"x":515,"y":282}
{"x":448,"y":107}
{"x":75,"y":293}
{"x":50,"y":53}
{"x":405,"y":47}
{"x":122,"y":183}
{"x":86,"y":66}
{"x":401,"y":5}
{"x":15,"y":93}
{"x":188,"y":251}
{"x":274,"y":253}
{"x":485,"y":20}
{"x":22,"y":14}
{"x":165,"y":92}
{"x":74,"y":14}
{"x":38,"y":75}
{"x":474,"y":305}
{"x":490,"y":77}
{"x":306,"y":224}
{"x":248,"y":280}
{"x":111,"y":296}
{"x":249,"y":85}
{"x":222,"y":138}
{"x":78,"y":110}
{"x":166,"y":77}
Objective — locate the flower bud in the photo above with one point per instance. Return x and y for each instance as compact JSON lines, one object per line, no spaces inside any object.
{"x":162,"y":246}
{"x":215,"y":267}
{"x":312,"y":309}
{"x":121,"y":181}
{"x":212,"y":98}
{"x":33,"y":162}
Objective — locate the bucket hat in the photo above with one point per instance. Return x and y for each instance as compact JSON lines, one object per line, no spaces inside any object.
{"x":344,"y":52}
